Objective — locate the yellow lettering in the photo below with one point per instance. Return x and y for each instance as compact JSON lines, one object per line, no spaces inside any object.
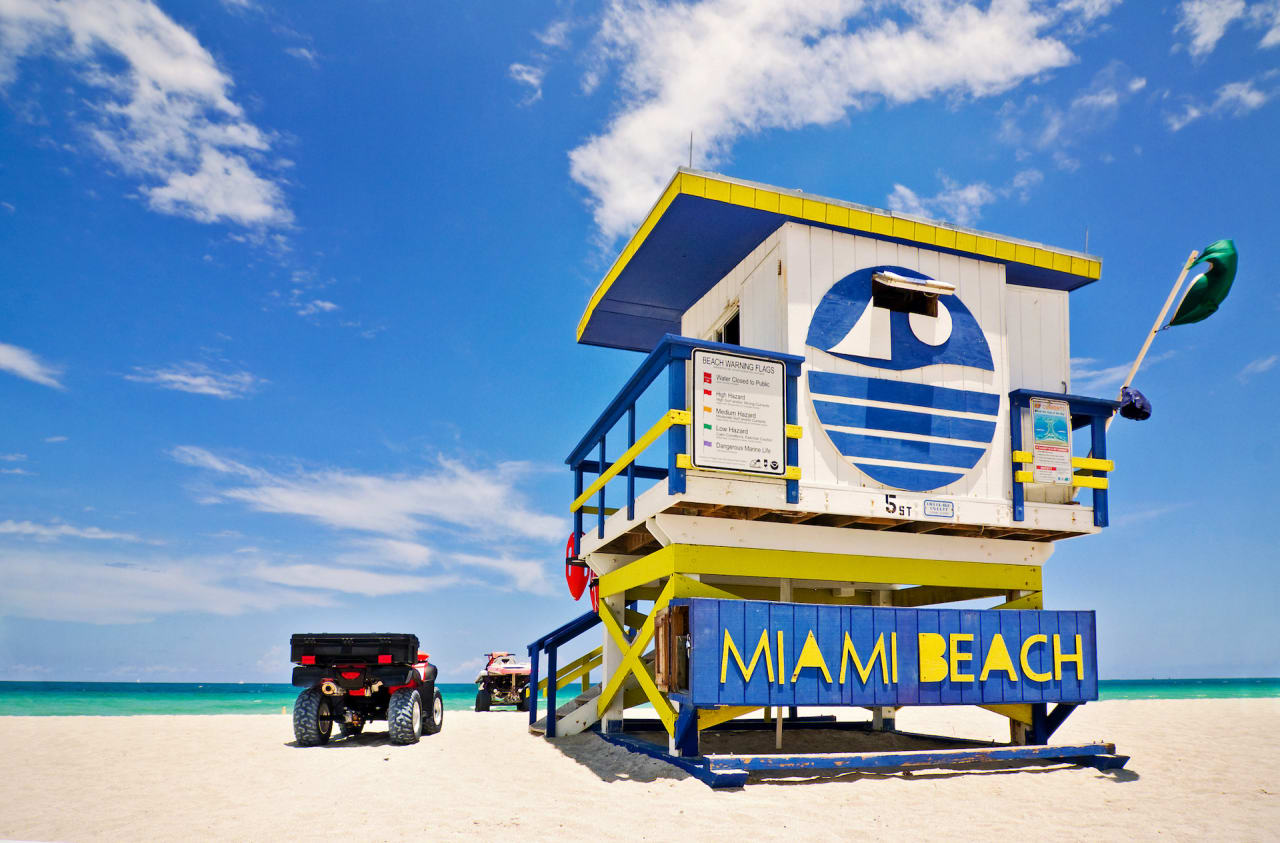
{"x":998,"y":659}
{"x":1026,"y":665}
{"x":893,"y":643}
{"x":1059,"y":658}
{"x":933,"y":662}
{"x":958,"y":656}
{"x":811,"y":656}
{"x":747,"y":670}
{"x":782,"y":661}
{"x":877,"y":652}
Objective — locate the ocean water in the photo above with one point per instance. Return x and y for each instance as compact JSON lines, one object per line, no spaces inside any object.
{"x":122,"y":698}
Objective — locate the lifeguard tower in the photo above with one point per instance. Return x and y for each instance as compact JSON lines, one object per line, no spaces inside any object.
{"x":854,"y":416}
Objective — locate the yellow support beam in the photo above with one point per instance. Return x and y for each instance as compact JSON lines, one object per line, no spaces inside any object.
{"x":671,"y":417}
{"x":575,"y":669}
{"x":841,"y":567}
{"x":1014,"y":711}
{"x":1035,"y":600}
{"x":708,"y":717}
{"x":646,"y":569}
{"x":632,"y":663}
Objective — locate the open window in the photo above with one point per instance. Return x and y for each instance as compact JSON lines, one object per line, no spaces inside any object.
{"x":727,"y":332}
{"x":908,"y":295}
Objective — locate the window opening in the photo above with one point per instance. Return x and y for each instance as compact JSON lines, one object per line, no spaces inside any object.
{"x":728,"y":331}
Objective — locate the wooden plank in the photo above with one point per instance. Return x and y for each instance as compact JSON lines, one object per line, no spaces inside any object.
{"x":909,"y":759}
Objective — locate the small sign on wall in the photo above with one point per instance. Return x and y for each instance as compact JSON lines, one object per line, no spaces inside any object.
{"x":1051,"y":441}
{"x":739,"y":413}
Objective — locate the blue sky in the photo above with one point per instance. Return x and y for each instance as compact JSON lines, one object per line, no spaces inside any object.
{"x":288,"y":292}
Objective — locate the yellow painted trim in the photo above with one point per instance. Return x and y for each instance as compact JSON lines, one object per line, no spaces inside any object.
{"x":1023,"y":477}
{"x":683,"y":461}
{"x":1034,"y":600}
{"x":851,"y":219}
{"x":1082,"y":482}
{"x":646,"y":569}
{"x":592,"y":510}
{"x":1093,"y":463}
{"x":632,"y":663}
{"x":841,"y":567}
{"x":708,"y":717}
{"x":1014,"y":711}
{"x":575,"y":669}
{"x":792,"y":473}
{"x":795,"y":431}
{"x":668,"y":419}
{"x":1022,"y":456}
{"x":685,"y":587}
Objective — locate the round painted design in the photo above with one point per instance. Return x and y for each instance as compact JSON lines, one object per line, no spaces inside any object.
{"x":910,"y":436}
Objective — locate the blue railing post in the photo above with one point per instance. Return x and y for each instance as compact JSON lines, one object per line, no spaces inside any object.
{"x":631,"y":467}
{"x":600,"y":497}
{"x":793,"y":446}
{"x":551,"y":692}
{"x":577,"y":514}
{"x":1098,"y":427}
{"x":1015,"y":444}
{"x":677,"y":399}
{"x":533,"y":683}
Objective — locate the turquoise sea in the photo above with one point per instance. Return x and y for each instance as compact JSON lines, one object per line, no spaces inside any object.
{"x":120,"y":698}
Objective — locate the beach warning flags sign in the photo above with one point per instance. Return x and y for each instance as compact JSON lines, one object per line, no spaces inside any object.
{"x":1210,"y":287}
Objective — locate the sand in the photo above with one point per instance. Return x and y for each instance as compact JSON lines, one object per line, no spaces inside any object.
{"x":1201,"y":769}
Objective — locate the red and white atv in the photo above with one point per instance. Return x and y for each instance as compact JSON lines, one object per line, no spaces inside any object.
{"x":503,"y":681}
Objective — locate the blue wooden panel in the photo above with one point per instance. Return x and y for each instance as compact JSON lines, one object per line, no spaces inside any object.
{"x":1069,"y":686}
{"x":704,"y":649}
{"x":782,"y":619}
{"x":1085,"y":626}
{"x":773,"y":636}
{"x":732,"y":612}
{"x":1050,"y":689}
{"x":930,"y":693}
{"x":885,"y":625}
{"x":1011,"y":689}
{"x":830,"y":640}
{"x":1028,"y":625}
{"x":908,"y":656}
{"x":901,"y":392}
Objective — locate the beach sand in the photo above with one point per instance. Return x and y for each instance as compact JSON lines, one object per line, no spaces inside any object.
{"x":1200,"y":769}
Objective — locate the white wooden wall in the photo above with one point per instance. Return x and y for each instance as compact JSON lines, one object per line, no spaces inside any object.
{"x":1026,"y":328}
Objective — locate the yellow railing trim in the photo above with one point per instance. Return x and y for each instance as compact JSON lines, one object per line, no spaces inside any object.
{"x":683,"y":461}
{"x":671,"y":417}
{"x":795,"y":431}
{"x":1022,"y":456}
{"x":1093,"y":463}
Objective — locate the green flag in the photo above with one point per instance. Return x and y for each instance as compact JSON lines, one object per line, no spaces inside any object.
{"x":1209,"y":288}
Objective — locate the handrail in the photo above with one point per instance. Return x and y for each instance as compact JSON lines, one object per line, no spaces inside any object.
{"x":671,"y":417}
{"x":1093,"y":412}
{"x":575,"y":669}
{"x":551,"y":642}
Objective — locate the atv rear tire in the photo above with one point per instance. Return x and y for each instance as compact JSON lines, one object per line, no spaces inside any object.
{"x":404,"y":716}
{"x":312,"y":718}
{"x":483,"y":699}
{"x":523,"y":704}
{"x":433,"y":717}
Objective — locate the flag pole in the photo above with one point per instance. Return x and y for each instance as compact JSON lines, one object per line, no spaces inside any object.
{"x":1155,"y":329}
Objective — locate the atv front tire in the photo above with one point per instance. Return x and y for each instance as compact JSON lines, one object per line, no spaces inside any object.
{"x":483,"y":699}
{"x":433,"y":717}
{"x":404,"y":717}
{"x":312,"y":718}
{"x":523,"y":704}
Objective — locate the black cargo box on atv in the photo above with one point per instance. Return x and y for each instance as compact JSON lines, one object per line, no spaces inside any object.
{"x":330,"y":648}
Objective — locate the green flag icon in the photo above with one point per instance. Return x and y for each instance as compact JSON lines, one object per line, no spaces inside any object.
{"x":1209,"y":288}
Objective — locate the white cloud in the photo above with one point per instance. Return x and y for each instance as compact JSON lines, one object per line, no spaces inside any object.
{"x":53,"y":532}
{"x":525,"y":575}
{"x":529,"y":76}
{"x":22,"y":472}
{"x":24,"y":364}
{"x":54,"y":440}
{"x":391,"y":552}
{"x":1234,"y":99}
{"x":199,"y":379}
{"x":305,"y":54}
{"x":961,"y":204}
{"x":1087,"y":376}
{"x":13,"y":457}
{"x":110,"y":589}
{"x":162,"y":107}
{"x":485,"y":503}
{"x":722,"y":69}
{"x":1257,"y":367}
{"x":349,"y":580}
{"x":1046,"y":127}
{"x":1267,"y":16}
{"x":317,"y":306}
{"x":1206,"y":21}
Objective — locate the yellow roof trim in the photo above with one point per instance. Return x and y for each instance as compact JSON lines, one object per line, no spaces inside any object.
{"x":842,"y":215}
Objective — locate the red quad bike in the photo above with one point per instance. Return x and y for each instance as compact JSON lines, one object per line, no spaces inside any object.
{"x":352,"y":679}
{"x":504,"y":681}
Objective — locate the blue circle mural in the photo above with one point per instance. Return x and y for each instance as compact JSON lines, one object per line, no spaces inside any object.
{"x":865,"y":416}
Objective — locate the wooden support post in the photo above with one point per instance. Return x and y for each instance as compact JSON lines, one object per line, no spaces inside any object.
{"x":777,"y":741}
{"x":611,"y":719}
{"x":551,"y":692}
{"x":883,"y":717}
